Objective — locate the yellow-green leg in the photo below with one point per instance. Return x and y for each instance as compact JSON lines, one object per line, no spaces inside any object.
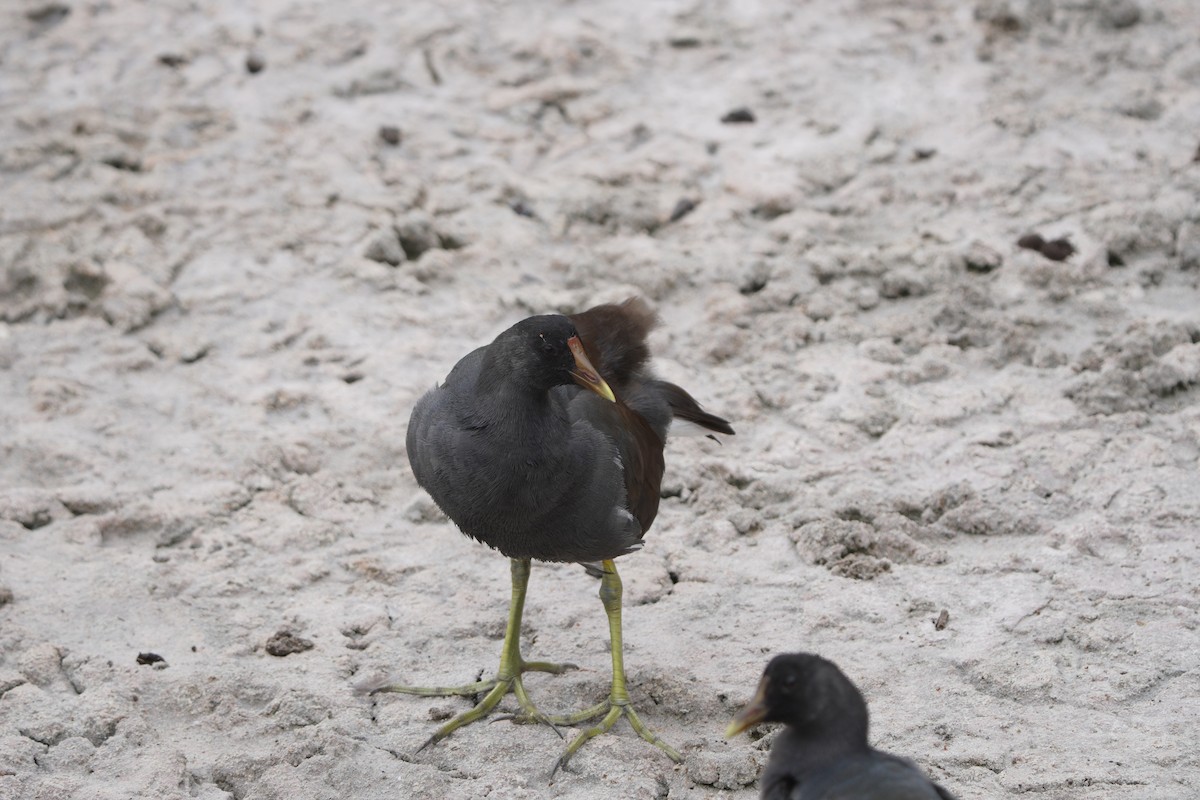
{"x":617,"y":705}
{"x":508,"y":677}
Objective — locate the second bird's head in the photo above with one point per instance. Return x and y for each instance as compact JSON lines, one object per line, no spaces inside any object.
{"x":808,"y":693}
{"x":548,"y":350}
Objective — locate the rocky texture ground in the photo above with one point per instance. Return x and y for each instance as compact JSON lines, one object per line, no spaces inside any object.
{"x":236,"y":245}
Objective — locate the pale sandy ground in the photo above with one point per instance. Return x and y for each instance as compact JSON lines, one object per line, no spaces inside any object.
{"x":206,"y":368}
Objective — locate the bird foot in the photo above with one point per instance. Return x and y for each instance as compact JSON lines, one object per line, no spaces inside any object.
{"x":612,"y":710}
{"x":493,"y":691}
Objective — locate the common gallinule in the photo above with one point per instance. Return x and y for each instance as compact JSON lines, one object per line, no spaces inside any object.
{"x":823,"y":754}
{"x":548,"y":444}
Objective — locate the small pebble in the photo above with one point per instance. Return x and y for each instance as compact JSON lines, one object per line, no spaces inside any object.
{"x":48,"y":14}
{"x":390,"y":134}
{"x":1031,"y":241}
{"x":1058,"y":249}
{"x":738,"y":115}
{"x":151,"y":659}
{"x":385,"y":248}
{"x":255,"y":63}
{"x":439,"y":713}
{"x":284,"y":643}
{"x":981,"y":258}
{"x":172,"y":60}
{"x":866,"y":298}
{"x":1120,"y":14}
{"x":684,"y":207}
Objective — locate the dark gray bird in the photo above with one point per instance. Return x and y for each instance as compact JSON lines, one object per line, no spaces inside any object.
{"x":548,"y":444}
{"x":823,"y":754}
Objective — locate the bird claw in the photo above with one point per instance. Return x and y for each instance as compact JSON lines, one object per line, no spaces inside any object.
{"x":615,"y":710}
{"x":495,"y":690}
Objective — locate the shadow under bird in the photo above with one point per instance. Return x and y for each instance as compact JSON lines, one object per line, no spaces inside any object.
{"x":548,"y":444}
{"x":823,"y":753}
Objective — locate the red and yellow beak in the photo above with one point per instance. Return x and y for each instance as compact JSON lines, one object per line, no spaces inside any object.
{"x":754,"y":713}
{"x":585,"y":374}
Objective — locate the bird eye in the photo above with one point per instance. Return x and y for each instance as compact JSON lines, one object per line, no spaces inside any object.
{"x":547,"y":346}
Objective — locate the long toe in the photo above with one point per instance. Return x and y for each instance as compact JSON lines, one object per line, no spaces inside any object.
{"x":470,"y":689}
{"x":466,"y":690}
{"x":547,"y":666}
{"x":481,"y":710}
{"x":612,"y":712}
{"x":493,"y":692}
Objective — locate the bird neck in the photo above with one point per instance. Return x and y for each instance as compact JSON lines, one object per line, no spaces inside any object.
{"x":808,"y":750}
{"x":845,"y":734}
{"x":508,"y":403}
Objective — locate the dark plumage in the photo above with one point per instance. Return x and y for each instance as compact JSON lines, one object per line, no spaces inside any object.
{"x":823,"y":754}
{"x":548,"y":444}
{"x":525,"y":460}
{"x":512,"y":451}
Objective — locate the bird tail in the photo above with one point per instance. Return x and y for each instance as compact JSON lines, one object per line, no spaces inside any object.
{"x":685,"y":407}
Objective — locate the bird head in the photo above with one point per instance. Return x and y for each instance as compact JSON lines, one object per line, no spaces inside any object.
{"x":806,"y":692}
{"x":550,"y":349}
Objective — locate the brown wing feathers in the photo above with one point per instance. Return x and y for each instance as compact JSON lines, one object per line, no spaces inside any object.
{"x":614,"y":337}
{"x":643,"y":478}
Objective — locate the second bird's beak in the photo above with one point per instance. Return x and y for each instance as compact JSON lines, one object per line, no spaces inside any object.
{"x":752,"y":714}
{"x":585,"y":374}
